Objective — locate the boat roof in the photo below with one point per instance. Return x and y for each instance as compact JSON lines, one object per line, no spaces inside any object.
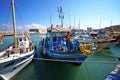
{"x":21,"y":35}
{"x":58,"y":30}
{"x":63,"y":30}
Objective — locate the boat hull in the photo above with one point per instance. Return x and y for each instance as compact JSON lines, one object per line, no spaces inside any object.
{"x":115,"y":74}
{"x":11,"y":68}
{"x":75,"y":58}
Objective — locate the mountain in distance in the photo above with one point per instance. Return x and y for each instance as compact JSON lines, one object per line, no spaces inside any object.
{"x":114,"y":27}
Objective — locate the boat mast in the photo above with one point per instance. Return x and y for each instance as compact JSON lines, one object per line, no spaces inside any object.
{"x":74,"y":23}
{"x":79,"y":26}
{"x":14,"y":26}
{"x":100,"y":24}
{"x":69,"y":20}
{"x":50,"y":20}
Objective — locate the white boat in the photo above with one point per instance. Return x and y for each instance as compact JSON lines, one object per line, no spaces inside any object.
{"x":17,"y":56}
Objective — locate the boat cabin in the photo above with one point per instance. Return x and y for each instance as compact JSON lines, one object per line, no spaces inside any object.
{"x":23,"y":41}
{"x":56,"y":38}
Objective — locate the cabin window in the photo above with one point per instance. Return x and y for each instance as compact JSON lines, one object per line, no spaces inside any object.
{"x":54,"y":44}
{"x":54,"y":39}
{"x":24,"y":38}
{"x":20,"y":39}
{"x":59,"y":43}
{"x":59,"y":38}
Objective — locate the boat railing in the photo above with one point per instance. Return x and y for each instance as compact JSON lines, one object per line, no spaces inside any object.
{"x":12,"y":51}
{"x":24,"y":50}
{"x":5,"y":48}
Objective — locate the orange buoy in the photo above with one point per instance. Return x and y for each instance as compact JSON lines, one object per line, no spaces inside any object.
{"x":1,"y":38}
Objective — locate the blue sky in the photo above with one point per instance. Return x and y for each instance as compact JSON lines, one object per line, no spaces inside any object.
{"x":35,"y":13}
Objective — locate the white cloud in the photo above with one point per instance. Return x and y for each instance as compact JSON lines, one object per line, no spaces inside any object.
{"x":23,"y":28}
{"x":35,"y":26}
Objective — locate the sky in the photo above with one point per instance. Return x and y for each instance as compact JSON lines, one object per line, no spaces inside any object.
{"x":36,"y":13}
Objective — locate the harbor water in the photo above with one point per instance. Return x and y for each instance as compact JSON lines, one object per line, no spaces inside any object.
{"x":49,"y":70}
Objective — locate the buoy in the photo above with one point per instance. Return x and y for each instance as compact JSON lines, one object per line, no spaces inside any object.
{"x":1,"y":38}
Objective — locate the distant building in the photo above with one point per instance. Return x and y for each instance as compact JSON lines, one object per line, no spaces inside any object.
{"x":37,"y":31}
{"x":34,"y":30}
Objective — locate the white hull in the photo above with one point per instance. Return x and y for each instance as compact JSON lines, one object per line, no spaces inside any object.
{"x":9,"y":72}
{"x":2,"y":53}
{"x":17,"y":56}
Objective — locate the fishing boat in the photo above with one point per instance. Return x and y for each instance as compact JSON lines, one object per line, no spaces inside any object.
{"x":105,"y":36}
{"x":54,"y":46}
{"x":16,"y":56}
{"x":85,"y":38}
{"x":115,"y":74}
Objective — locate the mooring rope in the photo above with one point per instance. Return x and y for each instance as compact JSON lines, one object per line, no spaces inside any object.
{"x":92,"y":77}
{"x":58,"y":60}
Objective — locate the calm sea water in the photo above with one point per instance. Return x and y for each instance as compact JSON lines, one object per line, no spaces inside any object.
{"x":47,"y":70}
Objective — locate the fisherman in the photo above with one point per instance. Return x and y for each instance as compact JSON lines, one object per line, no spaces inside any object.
{"x":69,"y":41}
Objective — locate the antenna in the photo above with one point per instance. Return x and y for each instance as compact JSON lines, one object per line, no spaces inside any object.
{"x":50,"y":20}
{"x":60,"y":13}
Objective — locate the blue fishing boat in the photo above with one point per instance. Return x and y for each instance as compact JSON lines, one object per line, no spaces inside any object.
{"x":54,"y":46}
{"x":115,"y":74}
